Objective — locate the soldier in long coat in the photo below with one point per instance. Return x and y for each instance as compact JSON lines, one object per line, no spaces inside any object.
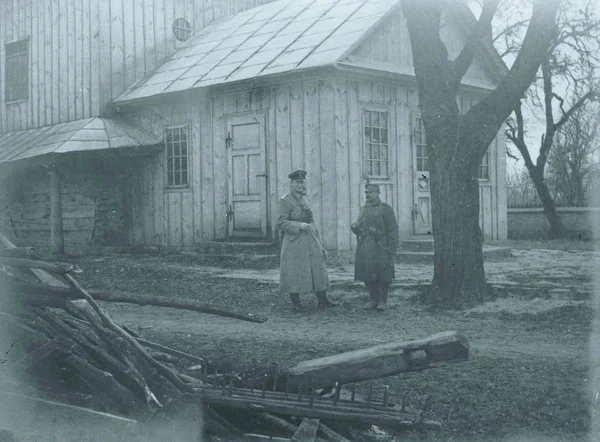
{"x":377,"y":233}
{"x":303,"y":256}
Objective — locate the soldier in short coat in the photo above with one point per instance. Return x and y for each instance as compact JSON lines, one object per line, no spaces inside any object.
{"x":377,"y":232}
{"x":303,"y":256}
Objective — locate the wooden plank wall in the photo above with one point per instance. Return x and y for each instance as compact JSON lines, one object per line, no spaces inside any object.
{"x":92,"y":207}
{"x":311,"y":124}
{"x":84,"y":53}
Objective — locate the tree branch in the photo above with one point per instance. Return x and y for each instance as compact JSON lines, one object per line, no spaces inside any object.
{"x":590,"y":95}
{"x":509,"y":30}
{"x":493,"y":110}
{"x":465,"y":58}
{"x":517,"y":136}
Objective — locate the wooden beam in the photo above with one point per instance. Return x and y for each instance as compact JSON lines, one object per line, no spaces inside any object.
{"x":307,"y":431}
{"x":54,"y":267}
{"x":381,"y":360}
{"x":56,"y":227}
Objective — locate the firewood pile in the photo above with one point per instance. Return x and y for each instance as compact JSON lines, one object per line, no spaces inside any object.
{"x":74,"y":349}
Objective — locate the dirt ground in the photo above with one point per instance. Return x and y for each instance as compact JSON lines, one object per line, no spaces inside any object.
{"x":528,"y":376}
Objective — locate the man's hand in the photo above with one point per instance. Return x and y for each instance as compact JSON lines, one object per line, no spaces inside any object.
{"x":304,"y":226}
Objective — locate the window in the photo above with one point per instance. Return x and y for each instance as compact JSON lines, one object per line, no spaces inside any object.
{"x":376,"y":147}
{"x":178,"y":155}
{"x":484,"y":167}
{"x":421,"y":146}
{"x":182,"y":29}
{"x":17,"y":71}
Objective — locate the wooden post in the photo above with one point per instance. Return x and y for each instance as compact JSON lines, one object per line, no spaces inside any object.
{"x":56,"y":224}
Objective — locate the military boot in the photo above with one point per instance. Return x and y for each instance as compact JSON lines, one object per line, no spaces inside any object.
{"x":322,"y":301}
{"x":373,"y":299}
{"x":296,"y":306}
{"x":383,"y":296}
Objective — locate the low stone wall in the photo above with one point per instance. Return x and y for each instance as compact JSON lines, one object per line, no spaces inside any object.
{"x":532,"y":223}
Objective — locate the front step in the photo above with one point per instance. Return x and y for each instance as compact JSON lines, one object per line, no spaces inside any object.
{"x":424,"y":244}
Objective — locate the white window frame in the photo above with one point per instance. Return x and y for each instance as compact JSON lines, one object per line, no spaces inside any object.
{"x":169,"y":152}
{"x":390,"y":137}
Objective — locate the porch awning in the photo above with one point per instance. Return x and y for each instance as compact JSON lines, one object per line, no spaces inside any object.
{"x":89,"y":134}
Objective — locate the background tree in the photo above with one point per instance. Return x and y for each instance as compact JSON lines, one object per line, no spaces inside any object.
{"x":571,"y":62}
{"x":458,"y":142}
{"x":574,"y":159}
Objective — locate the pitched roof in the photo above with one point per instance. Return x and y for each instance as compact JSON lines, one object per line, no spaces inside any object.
{"x":282,"y":36}
{"x":75,"y":136}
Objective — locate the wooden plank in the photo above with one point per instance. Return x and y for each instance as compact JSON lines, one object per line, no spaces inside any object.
{"x":187,"y":218}
{"x":365,"y":91}
{"x":46,"y":84}
{"x":158,"y":191}
{"x":296,"y":127}
{"x":312,"y":140}
{"x":104,"y":67}
{"x":354,"y":153}
{"x":129,"y":43}
{"x":160,"y":36}
{"x":209,"y":12}
{"x":137,"y":214}
{"x":230,"y":103}
{"x":195,"y":170}
{"x":24,"y":32}
{"x":307,"y":431}
{"x":117,"y":53}
{"x":139,"y":54}
{"x":220,"y":168}
{"x":282,"y":142}
{"x":34,"y":18}
{"x":271,"y":157}
{"x":148,"y":202}
{"x":174,"y":218}
{"x":378,"y":93}
{"x":169,"y":18}
{"x":149,"y":35}
{"x":78,"y":61}
{"x":63,"y":60}
{"x":328,"y":164}
{"x":342,"y":159}
{"x":86,"y":58}
{"x":4,"y":36}
{"x":382,"y":360}
{"x":204,"y":162}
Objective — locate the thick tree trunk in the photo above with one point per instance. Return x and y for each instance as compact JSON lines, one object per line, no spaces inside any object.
{"x":556,"y":228}
{"x":459,"y":275}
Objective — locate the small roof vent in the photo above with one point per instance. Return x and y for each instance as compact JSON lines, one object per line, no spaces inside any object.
{"x":182,"y":29}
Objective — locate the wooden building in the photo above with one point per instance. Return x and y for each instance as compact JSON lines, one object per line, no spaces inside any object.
{"x":214,"y":124}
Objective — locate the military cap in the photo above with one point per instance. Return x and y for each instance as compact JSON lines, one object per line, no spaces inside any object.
{"x":297,"y":175}
{"x":372,"y":188}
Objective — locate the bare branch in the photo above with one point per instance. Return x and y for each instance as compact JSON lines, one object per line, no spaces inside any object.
{"x":517,"y":136}
{"x":590,"y":95}
{"x":465,"y":58}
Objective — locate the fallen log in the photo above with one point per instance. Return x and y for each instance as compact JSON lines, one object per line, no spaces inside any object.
{"x":135,"y":298}
{"x":53,"y":267}
{"x":380,"y":361}
{"x":307,"y":431}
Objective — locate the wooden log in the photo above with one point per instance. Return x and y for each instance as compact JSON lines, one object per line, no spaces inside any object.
{"x":53,"y":267}
{"x":277,"y":423}
{"x":331,"y":435}
{"x":105,"y":383}
{"x":51,"y":348}
{"x":172,"y":351}
{"x":381,"y":360}
{"x":127,"y":376}
{"x":140,"y":299}
{"x":391,"y":419}
{"x":42,"y":275}
{"x":221,"y":426}
{"x":108,"y":322}
{"x":307,"y":431}
{"x":19,"y":252}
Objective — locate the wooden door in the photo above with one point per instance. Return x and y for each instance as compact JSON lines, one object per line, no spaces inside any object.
{"x":247,"y":205}
{"x":422,"y":195}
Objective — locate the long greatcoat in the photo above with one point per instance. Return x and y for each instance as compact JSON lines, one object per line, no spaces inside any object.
{"x":302,"y":255}
{"x":377,"y":232}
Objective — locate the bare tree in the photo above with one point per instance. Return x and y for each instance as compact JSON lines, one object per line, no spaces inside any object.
{"x":458,"y":142}
{"x":571,"y":60}
{"x":573,"y":159}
